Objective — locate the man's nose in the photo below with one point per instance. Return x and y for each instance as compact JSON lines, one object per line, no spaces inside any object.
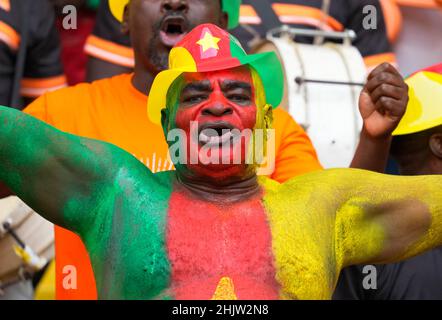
{"x":218,"y":109}
{"x":175,"y":5}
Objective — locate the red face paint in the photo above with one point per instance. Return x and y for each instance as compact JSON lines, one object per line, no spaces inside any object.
{"x":221,"y":101}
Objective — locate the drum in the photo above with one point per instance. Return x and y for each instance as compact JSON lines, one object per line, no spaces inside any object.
{"x":26,"y":241}
{"x":323,"y":84}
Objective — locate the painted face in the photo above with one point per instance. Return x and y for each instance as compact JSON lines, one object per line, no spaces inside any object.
{"x":218,"y":113}
{"x":155,"y":26}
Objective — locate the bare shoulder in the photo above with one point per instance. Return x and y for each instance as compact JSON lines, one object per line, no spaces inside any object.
{"x":325,"y":179}
{"x":339,"y":186}
{"x":133,"y":178}
{"x":324,"y":185}
{"x":334,"y":178}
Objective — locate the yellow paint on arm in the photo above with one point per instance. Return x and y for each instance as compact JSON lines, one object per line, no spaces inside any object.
{"x":356,"y":237}
{"x":324,"y":221}
{"x":386,"y":218}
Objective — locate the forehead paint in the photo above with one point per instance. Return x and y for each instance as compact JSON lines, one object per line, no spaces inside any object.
{"x":242,"y":74}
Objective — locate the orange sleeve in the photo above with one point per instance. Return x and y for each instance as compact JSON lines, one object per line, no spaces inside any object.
{"x":60,"y":108}
{"x":38,"y":109}
{"x":295,"y":154}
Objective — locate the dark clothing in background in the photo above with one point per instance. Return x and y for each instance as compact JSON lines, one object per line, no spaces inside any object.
{"x":72,"y":43}
{"x":343,"y":14}
{"x":109,"y":44}
{"x":42,"y":70}
{"x":418,"y":278}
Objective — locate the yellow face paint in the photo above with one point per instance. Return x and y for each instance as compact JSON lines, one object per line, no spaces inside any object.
{"x":258,"y":145}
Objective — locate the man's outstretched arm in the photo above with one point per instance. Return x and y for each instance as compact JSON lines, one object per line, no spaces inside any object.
{"x":57,"y":174}
{"x":383,"y":219}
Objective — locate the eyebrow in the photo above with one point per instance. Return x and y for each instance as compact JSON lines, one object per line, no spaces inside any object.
{"x":234,"y":84}
{"x":197,"y":86}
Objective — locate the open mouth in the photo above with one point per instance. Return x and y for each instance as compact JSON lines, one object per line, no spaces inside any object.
{"x":173,"y":29}
{"x":217,"y":134}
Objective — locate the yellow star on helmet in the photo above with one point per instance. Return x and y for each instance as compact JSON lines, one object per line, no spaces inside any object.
{"x":209,"y":42}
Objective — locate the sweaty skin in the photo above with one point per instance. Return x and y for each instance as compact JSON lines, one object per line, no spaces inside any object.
{"x":214,"y":231}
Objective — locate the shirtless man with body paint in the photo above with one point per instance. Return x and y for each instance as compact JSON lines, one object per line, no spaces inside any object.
{"x":214,"y":231}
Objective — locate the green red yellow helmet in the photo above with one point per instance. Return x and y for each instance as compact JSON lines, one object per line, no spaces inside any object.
{"x":424,"y":109}
{"x":210,"y":48}
{"x":231,"y":7}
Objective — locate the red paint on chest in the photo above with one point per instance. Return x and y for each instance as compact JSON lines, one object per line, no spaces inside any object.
{"x":206,"y":242}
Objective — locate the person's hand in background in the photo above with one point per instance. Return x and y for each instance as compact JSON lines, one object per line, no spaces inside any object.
{"x":383,"y":101}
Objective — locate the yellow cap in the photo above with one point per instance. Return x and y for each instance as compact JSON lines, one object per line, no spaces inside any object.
{"x":231,"y":7}
{"x":117,"y":8}
{"x":424,"y":110}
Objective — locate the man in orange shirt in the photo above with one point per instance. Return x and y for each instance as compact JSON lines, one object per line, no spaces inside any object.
{"x":110,"y":51}
{"x":114,"y":110}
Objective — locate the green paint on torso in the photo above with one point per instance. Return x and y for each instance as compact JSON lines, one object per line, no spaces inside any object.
{"x":126,"y":243}
{"x":127,"y":240}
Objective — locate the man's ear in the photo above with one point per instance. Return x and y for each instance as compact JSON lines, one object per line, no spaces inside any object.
{"x":436,"y":144}
{"x":268,"y":116}
{"x":125,"y":24}
{"x":165,"y":121}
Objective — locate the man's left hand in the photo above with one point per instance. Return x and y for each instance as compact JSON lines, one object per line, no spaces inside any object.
{"x":383,"y":101}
